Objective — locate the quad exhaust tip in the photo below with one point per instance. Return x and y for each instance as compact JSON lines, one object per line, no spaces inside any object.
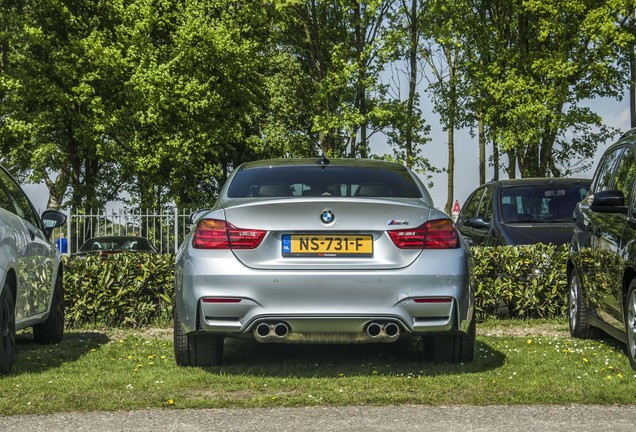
{"x":388,"y":330}
{"x":267,"y":330}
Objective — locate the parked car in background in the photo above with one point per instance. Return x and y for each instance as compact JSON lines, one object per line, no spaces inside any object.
{"x":109,"y":245}
{"x":521,"y":211}
{"x":602,"y":265}
{"x":32,"y":294}
{"x":319,"y":251}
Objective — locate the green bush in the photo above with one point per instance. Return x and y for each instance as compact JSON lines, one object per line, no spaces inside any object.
{"x":132,"y":290}
{"x":124,"y":290}
{"x":520,"y":281}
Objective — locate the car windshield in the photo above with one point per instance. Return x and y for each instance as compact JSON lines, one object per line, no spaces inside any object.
{"x":540,"y":203}
{"x":339,"y":181}
{"x":115,"y":243}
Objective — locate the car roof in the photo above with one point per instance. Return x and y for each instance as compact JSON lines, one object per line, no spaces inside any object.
{"x":371,"y":163}
{"x":540,"y":181}
{"x":105,"y":238}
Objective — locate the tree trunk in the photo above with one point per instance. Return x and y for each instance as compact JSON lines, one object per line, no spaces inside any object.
{"x":57,"y":190}
{"x":482,"y":148}
{"x":451,"y":170}
{"x":413,"y":48}
{"x":632,"y":70}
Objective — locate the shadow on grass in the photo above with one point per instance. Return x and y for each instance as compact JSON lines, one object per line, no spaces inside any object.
{"x":404,"y":357}
{"x":34,"y":358}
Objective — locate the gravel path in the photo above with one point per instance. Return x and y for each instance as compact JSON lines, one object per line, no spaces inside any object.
{"x":575,"y":418}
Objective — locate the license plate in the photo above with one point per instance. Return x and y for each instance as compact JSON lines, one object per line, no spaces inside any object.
{"x":328,"y":246}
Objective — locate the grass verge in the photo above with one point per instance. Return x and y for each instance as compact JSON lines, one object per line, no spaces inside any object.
{"x":124,"y":370}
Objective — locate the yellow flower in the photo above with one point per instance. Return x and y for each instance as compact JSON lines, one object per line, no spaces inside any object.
{"x":585,"y":360}
{"x":529,"y":341}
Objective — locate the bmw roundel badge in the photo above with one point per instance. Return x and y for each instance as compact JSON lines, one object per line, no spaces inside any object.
{"x":327,"y":216}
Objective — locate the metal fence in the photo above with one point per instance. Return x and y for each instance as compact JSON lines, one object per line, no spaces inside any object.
{"x":165,"y":229}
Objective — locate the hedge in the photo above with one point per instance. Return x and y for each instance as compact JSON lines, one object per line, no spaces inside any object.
{"x":133,"y":290}
{"x":123,"y":290}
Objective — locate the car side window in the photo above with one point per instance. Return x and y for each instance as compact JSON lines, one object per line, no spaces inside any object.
{"x":485,"y":208}
{"x":604,"y":174}
{"x":625,"y":173}
{"x":5,"y":202}
{"x":18,"y":199}
{"x":470,"y":206}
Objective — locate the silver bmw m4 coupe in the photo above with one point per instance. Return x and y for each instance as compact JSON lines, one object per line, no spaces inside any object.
{"x":320,"y":251}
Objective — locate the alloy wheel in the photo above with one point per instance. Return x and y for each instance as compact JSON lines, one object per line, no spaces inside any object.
{"x":630,"y":323}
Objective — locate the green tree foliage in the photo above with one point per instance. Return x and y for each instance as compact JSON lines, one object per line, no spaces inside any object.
{"x":52,"y":114}
{"x":163,"y":98}
{"x":533,"y":64}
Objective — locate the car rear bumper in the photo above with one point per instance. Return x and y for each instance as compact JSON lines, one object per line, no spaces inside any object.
{"x":222,"y":296}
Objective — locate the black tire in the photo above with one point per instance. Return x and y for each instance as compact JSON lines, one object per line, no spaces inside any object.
{"x":196,"y":350}
{"x":451,"y":347}
{"x":7,"y":331}
{"x":630,"y":323}
{"x":52,"y":330}
{"x":577,"y":310}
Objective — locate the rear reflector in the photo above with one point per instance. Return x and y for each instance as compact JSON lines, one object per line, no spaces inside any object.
{"x":220,"y":300}
{"x":218,"y":234}
{"x":434,"y":234}
{"x":432,"y":300}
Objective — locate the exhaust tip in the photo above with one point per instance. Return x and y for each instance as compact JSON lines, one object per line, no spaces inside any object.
{"x":281,"y":329}
{"x":392,"y":329}
{"x":374,"y":329}
{"x":263,"y":330}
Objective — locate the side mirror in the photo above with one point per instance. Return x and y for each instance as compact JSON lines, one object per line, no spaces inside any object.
{"x":478,"y":222}
{"x":609,"y":201}
{"x":53,"y":219}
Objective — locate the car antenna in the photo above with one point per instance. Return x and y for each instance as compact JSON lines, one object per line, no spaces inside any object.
{"x":323,"y":161}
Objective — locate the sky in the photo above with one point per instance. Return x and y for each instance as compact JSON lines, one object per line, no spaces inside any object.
{"x":614,"y":113}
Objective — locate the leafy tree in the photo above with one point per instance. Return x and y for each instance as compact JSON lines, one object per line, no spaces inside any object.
{"x":538,"y":61}
{"x":52,"y":117}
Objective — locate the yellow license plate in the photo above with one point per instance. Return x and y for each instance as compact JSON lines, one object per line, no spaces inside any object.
{"x":350,"y":245}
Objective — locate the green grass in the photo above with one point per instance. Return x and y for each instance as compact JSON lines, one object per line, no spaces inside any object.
{"x":123,"y":370}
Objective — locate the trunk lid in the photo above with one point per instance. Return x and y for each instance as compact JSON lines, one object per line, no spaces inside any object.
{"x":351,"y":226}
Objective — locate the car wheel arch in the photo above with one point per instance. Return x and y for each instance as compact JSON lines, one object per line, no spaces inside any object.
{"x":628,"y":276}
{"x":11,"y":280}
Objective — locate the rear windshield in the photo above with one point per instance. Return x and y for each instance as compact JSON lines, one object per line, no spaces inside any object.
{"x":342,"y":181}
{"x":116,"y":243}
{"x":540,"y":203}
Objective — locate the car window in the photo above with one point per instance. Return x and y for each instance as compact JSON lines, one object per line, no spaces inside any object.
{"x":334,"y":180}
{"x":470,"y":206}
{"x":625,"y":173}
{"x":549,"y":202}
{"x":485,"y":208}
{"x":19,"y":201}
{"x":605,"y":171}
{"x":5,"y":202}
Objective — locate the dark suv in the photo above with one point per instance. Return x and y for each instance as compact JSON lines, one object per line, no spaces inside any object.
{"x":602,"y":269}
{"x":521,"y":211}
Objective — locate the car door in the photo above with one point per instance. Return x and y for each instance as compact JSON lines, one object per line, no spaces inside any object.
{"x":34,"y":257}
{"x":607,"y":228}
{"x":616,"y":237}
{"x":593,"y":257}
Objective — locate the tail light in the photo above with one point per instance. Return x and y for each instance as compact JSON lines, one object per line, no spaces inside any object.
{"x":434,"y":234}
{"x":218,"y":234}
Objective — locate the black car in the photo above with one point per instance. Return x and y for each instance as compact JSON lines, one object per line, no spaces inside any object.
{"x":521,"y":211}
{"x":602,"y":265}
{"x":109,"y":245}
